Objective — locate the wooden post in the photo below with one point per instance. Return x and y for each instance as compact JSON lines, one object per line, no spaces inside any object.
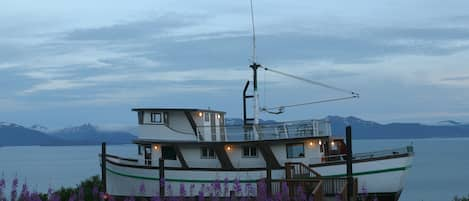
{"x":162,"y":180}
{"x":348,"y":137}
{"x":268,"y":181}
{"x":103,"y":167}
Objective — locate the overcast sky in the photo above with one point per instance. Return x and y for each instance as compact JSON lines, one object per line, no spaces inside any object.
{"x":65,"y":63}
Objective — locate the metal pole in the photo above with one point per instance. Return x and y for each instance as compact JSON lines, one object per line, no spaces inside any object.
{"x":269,"y":181}
{"x":103,"y":166}
{"x":348,"y":133}
{"x":162,"y":181}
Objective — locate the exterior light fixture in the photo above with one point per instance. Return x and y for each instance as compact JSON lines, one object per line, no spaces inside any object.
{"x":311,"y":143}
{"x":320,"y":142}
{"x":228,"y":148}
{"x":332,"y":143}
{"x":200,"y":114}
{"x":218,"y":116}
{"x":155,"y":147}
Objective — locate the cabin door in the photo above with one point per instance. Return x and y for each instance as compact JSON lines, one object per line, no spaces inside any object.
{"x":147,"y":154}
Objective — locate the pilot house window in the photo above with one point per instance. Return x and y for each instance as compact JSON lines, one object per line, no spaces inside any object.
{"x":295,"y":150}
{"x":156,"y":118}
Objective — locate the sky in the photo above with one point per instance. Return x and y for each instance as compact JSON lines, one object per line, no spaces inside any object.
{"x":65,"y":63}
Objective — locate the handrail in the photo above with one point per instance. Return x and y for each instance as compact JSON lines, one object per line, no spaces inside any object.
{"x":284,"y":130}
{"x":120,"y":158}
{"x":318,"y":191}
{"x":302,"y":167}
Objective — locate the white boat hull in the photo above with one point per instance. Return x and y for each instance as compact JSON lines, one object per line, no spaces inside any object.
{"x":375,"y":176}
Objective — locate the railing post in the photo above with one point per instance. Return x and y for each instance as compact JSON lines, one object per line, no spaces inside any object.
{"x":103,"y":166}
{"x":268,"y":181}
{"x":348,"y":136}
{"x":161,"y":176}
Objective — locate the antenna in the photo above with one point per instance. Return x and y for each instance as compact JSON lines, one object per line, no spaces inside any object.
{"x":253,"y":35}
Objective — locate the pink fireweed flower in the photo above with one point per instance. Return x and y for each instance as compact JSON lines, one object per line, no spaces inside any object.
{"x":364,"y":193}
{"x":81,"y":194}
{"x":141,"y":188}
{"x":182,"y":191}
{"x":237,"y":187}
{"x":14,"y":186}
{"x":285,"y":191}
{"x":201,"y":195}
{"x":300,"y":194}
{"x":24,"y":195}
{"x":191,"y":190}
{"x":249,"y":189}
{"x":261,"y":190}
{"x":226,"y":189}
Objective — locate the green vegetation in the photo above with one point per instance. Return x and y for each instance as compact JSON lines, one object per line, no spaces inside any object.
{"x":464,"y":198}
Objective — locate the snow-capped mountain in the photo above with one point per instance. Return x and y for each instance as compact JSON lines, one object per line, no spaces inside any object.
{"x":91,"y":134}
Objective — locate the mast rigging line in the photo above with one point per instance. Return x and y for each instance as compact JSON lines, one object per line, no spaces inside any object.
{"x":281,"y":108}
{"x":354,"y":94}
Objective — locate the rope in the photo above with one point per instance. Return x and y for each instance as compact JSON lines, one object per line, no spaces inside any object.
{"x":280,"y":108}
{"x":312,"y":82}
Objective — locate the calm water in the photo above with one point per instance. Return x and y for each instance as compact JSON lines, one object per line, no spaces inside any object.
{"x":440,"y":169}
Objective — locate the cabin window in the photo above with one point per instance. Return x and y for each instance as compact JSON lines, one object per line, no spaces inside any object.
{"x":207,"y":153}
{"x":139,"y":150}
{"x":156,"y":118}
{"x":207,"y":116}
{"x":295,"y":150}
{"x":168,"y":153}
{"x":249,"y":152}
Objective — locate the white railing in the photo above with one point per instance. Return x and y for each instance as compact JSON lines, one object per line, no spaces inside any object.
{"x":284,"y":130}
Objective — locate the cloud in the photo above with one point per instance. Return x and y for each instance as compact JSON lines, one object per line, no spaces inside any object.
{"x":457,"y":78}
{"x":56,"y":85}
{"x":134,"y":30}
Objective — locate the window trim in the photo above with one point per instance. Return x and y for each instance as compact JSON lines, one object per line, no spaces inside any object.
{"x":293,"y":144}
{"x":153,"y":119}
{"x":250,"y":152}
{"x":208,"y":150}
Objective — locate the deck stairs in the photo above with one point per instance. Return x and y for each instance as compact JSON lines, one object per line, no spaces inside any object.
{"x":313,"y":184}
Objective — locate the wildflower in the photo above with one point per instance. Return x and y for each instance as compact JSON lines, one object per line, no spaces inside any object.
{"x":142,"y":188}
{"x":72,"y":197}
{"x":81,"y":194}
{"x":285,"y":191}
{"x":2,"y":186}
{"x":225,"y":187}
{"x":201,"y":195}
{"x":182,"y":191}
{"x":191,"y":190}
{"x":364,"y":193}
{"x":95,"y":192}
{"x":300,"y":193}
{"x":14,"y":185}
{"x":261,"y":190}
{"x":237,"y":187}
{"x":338,"y":197}
{"x":24,"y":195}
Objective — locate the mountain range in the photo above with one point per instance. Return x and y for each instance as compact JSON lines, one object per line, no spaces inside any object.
{"x":87,"y":134}
{"x":16,"y":135}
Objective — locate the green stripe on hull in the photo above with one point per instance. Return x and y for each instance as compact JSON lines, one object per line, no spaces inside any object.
{"x":253,"y":180}
{"x":371,"y":172}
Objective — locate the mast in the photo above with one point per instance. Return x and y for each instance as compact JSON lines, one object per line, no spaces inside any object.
{"x":254,"y":67}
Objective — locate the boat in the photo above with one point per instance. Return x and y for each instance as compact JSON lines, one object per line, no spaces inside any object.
{"x":187,"y":151}
{"x":194,"y":149}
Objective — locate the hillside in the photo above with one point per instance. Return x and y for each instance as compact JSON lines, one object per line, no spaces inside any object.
{"x":362,"y":129}
{"x":15,"y":135}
